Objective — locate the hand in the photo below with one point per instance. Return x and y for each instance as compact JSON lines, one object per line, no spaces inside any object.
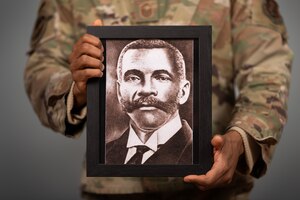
{"x":85,"y":62}
{"x":227,"y":150}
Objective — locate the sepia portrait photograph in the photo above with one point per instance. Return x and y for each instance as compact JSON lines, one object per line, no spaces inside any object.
{"x":149,"y":107}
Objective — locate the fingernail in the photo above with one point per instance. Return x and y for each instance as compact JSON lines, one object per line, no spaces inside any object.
{"x":97,"y":22}
{"x":187,"y":180}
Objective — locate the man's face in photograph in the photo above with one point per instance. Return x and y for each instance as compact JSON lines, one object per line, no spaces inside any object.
{"x":149,"y":88}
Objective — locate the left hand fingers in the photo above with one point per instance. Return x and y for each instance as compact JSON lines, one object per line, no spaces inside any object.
{"x":213,"y":178}
{"x":227,"y":150}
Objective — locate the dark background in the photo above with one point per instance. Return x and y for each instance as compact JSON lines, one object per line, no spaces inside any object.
{"x":36,"y":163}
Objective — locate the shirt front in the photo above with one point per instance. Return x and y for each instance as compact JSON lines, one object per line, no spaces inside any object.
{"x":158,"y":137}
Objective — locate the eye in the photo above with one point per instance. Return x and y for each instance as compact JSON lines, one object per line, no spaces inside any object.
{"x":163,"y":78}
{"x":132,"y":78}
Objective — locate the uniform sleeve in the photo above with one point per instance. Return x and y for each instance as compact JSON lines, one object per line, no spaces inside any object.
{"x":262,"y":61}
{"x":47,"y":76}
{"x":74,"y":118}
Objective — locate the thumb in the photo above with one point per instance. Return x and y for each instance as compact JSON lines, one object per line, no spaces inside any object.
{"x":97,"y":22}
{"x":218,"y":142}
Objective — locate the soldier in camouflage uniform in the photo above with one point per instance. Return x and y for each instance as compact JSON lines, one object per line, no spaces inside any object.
{"x":251,"y":76}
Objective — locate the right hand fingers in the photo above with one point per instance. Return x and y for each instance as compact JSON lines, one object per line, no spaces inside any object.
{"x":87,"y":45}
{"x":87,"y":53}
{"x":87,"y":49}
{"x":83,"y":75}
{"x":85,"y":61}
{"x":88,"y":38}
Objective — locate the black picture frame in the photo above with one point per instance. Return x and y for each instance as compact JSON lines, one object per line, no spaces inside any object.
{"x":96,"y":103}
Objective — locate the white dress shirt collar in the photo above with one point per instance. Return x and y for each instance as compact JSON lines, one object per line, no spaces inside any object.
{"x":159,"y":137}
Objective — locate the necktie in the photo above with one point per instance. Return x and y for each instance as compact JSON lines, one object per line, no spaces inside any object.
{"x":136,"y":159}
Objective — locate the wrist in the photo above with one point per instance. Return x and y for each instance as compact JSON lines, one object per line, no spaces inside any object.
{"x":79,"y":98}
{"x":237,"y":140}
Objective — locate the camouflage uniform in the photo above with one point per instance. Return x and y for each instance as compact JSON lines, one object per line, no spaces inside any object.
{"x":251,"y":73}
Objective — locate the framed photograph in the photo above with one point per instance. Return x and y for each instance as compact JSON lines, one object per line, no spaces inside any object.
{"x":150,"y":113}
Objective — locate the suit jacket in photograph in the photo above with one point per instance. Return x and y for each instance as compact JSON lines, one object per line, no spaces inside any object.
{"x":177,"y":150}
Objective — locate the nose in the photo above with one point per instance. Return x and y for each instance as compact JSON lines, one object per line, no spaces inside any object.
{"x":147,"y":88}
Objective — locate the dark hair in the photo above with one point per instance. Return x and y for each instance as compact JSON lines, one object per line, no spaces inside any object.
{"x":154,"y":43}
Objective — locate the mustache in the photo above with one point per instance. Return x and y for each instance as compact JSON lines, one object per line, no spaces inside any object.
{"x":150,"y":101}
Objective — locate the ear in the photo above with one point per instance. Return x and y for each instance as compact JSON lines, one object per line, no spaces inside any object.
{"x":118,"y":90}
{"x":184,"y":93}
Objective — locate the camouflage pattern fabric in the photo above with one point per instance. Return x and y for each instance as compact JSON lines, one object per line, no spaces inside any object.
{"x":251,"y":72}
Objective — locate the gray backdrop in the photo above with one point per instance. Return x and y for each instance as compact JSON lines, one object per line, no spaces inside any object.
{"x":36,"y":163}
